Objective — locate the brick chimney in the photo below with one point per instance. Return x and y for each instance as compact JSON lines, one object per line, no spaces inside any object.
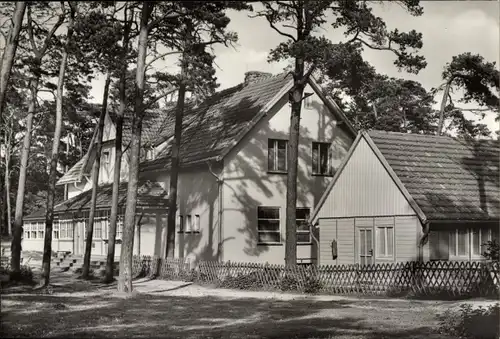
{"x":254,"y":76}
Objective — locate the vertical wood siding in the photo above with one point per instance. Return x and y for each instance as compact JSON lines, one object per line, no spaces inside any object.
{"x":406,"y":238}
{"x":364,"y":188}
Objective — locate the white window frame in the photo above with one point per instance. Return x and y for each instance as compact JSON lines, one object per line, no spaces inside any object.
{"x":188,"y":226}
{"x":26,"y":230}
{"x":119,"y":227}
{"x":319,"y":145}
{"x":454,"y":254}
{"x":279,"y":228}
{"x":384,"y":254}
{"x":34,"y":231}
{"x":150,"y":153}
{"x":56,"y":231}
{"x":40,"y":230}
{"x":308,"y":232}
{"x":106,"y":155}
{"x":101,"y":222}
{"x":275,"y":143}
{"x":469,"y":243}
{"x":180,"y":223}
{"x":308,"y":101}
{"x":196,"y":225}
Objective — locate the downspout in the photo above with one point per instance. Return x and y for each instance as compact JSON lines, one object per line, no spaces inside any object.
{"x":423,"y":239}
{"x":220,"y":183}
{"x":313,"y":237}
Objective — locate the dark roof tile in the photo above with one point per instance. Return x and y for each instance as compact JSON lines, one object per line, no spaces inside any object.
{"x":448,"y":178}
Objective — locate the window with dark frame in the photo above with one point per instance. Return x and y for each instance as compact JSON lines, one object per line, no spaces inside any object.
{"x":322,"y":158}
{"x":268,"y":225}
{"x":277,"y":155}
{"x":303,"y":230}
{"x":105,"y":157}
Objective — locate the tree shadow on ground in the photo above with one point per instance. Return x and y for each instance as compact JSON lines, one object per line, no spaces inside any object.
{"x":146,"y":316}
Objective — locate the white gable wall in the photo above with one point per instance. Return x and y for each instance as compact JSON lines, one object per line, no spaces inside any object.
{"x":364,"y":188}
{"x":363,"y":196}
{"x":248,"y":184}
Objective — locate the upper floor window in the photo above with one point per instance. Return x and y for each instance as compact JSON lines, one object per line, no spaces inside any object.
{"x":105,"y":157}
{"x":150,"y":153}
{"x":308,"y":101}
{"x":322,"y":158}
{"x":277,"y":155}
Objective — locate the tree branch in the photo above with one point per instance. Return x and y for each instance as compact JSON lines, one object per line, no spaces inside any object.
{"x":30,"y":33}
{"x":155,"y":100}
{"x":380,"y":48}
{"x":159,"y":57}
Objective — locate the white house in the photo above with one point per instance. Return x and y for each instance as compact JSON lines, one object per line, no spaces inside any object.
{"x":403,"y":197}
{"x":232,"y":184}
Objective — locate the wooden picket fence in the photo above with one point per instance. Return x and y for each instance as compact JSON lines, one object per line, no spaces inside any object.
{"x":433,"y":278}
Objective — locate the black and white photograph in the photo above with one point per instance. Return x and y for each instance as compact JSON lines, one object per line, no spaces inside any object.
{"x":310,"y":169}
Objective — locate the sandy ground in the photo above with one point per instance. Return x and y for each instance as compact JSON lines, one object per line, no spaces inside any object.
{"x":171,"y":309}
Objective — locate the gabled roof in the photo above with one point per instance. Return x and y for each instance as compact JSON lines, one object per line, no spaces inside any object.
{"x":149,"y":195}
{"x":212,"y":128}
{"x":443,"y":178}
{"x":449,"y":179}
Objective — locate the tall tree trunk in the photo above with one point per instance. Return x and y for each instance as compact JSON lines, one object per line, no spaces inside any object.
{"x":125,"y":278}
{"x":10,"y":51}
{"x":15,"y":260}
{"x":292,"y":156}
{"x":443,"y":107}
{"x":8,"y":141}
{"x":33,"y":87}
{"x":174,"y":170}
{"x":49,"y":213}
{"x":113,"y":218}
{"x":95,"y":182}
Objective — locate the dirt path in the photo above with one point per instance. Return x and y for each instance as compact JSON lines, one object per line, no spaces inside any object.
{"x":170,"y":309}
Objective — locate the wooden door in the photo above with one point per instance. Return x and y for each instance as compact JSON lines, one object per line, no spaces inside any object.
{"x":365,"y":246}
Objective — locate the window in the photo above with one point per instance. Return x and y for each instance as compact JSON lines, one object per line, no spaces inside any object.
{"x":119,"y":227}
{"x":277,"y":155}
{"x":55,"y":230}
{"x":189,"y":226}
{"x":268,"y":225}
{"x":308,"y":100}
{"x":459,"y":243}
{"x":150,"y":153}
{"x":105,"y":157}
{"x":197,"y":223}
{"x":322,"y":158}
{"x":62,"y":230}
{"x":385,"y":241}
{"x":27,"y":228}
{"x":180,"y":221}
{"x":41,"y":230}
{"x":33,"y":231}
{"x":98,"y":227}
{"x":479,"y":238}
{"x":303,"y":232}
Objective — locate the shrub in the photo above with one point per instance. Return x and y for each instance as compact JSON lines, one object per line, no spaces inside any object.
{"x":24,"y":276}
{"x":312,"y":285}
{"x":492,"y":250}
{"x":468,"y":322}
{"x":289,"y":283}
{"x":242,"y":281}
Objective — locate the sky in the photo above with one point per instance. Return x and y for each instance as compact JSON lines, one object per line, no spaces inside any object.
{"x":448,"y":27}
